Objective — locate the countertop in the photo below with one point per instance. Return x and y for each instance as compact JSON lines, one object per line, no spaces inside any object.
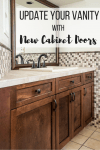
{"x":16,"y":77}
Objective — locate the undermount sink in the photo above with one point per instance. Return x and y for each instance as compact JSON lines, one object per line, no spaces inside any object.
{"x":50,"y":69}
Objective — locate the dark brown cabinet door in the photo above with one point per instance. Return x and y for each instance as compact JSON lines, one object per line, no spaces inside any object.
{"x":77,"y":111}
{"x":63,"y":119}
{"x":33,"y":125}
{"x":88,"y":102}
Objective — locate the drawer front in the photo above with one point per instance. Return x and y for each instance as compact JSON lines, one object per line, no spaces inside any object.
{"x":88,"y":77}
{"x":35,"y":91}
{"x":32,"y":92}
{"x":66,"y":83}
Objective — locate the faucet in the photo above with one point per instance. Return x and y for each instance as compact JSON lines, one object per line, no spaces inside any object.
{"x":39,"y":59}
{"x":33,"y":65}
{"x":22,"y":60}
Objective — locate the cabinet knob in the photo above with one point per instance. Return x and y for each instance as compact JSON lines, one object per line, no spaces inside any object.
{"x":89,"y":77}
{"x":72,"y":81}
{"x":38,"y":91}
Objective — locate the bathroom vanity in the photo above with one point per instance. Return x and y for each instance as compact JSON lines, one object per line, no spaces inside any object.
{"x":46,"y":110}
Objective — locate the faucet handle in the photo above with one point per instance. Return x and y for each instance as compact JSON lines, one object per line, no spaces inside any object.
{"x":29,"y":60}
{"x":44,"y":64}
{"x":33,"y":65}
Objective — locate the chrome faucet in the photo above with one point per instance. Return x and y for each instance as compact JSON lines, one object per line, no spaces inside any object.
{"x":39,"y":59}
{"x":22,"y":60}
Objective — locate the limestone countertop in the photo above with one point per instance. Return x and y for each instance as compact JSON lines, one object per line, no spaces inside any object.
{"x":16,"y":77}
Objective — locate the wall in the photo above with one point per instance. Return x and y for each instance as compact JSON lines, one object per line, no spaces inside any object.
{"x":5,"y":54}
{"x":5,"y":61}
{"x":75,"y":57}
{"x":81,"y":4}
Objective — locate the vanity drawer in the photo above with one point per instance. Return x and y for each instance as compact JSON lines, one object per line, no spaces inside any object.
{"x":66,"y":83}
{"x":88,"y":77}
{"x":32,"y":92}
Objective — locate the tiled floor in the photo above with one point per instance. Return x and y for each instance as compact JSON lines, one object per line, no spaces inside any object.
{"x":87,"y":139}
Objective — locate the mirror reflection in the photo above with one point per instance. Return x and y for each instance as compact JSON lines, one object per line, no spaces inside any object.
{"x":28,"y":55}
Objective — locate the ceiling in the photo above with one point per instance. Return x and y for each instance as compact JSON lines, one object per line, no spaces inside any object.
{"x":34,"y":5}
{"x":63,"y":2}
{"x":39,"y":5}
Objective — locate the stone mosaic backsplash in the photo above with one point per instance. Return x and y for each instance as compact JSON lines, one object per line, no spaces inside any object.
{"x":5,"y":61}
{"x":86,"y":60}
{"x":51,"y":58}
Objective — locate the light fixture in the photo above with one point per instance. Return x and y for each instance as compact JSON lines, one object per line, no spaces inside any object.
{"x":29,"y":3}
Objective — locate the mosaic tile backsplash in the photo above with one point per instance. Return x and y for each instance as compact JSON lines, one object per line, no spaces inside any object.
{"x":5,"y":61}
{"x":86,"y":60}
{"x":51,"y":58}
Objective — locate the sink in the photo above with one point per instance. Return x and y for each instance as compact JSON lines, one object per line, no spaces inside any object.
{"x":50,"y":69}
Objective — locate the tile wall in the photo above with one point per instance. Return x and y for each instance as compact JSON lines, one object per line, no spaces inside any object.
{"x":5,"y":61}
{"x":86,"y":60}
{"x":51,"y":58}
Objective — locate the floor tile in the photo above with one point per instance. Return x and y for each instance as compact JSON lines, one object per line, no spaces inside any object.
{"x":94,"y":144}
{"x":91,"y":127}
{"x":71,"y":146}
{"x":96,"y":136}
{"x":80,"y":139}
{"x":85,"y":148}
{"x":86,"y":132}
{"x":98,"y":130}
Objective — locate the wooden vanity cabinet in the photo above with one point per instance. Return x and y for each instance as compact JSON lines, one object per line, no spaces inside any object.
{"x":75,"y":106}
{"x":33,"y":125}
{"x":69,"y":115}
{"x":37,"y":121}
{"x":77,"y":111}
{"x":5,"y":118}
{"x":63,"y":119}
{"x":88,"y":103}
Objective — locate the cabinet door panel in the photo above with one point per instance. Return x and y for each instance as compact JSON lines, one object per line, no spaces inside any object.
{"x":77,"y":111}
{"x":34,"y":128}
{"x":63,"y":119}
{"x":88,"y":101}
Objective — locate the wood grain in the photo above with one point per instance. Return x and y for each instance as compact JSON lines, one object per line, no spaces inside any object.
{"x":24,"y":94}
{"x":63,"y":119}
{"x":64,"y":83}
{"x":77,"y":111}
{"x":88,"y":102}
{"x":5,"y":118}
{"x":86,"y":76}
{"x":32,"y":129}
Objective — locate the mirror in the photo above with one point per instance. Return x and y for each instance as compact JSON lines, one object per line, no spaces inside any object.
{"x":24,"y":56}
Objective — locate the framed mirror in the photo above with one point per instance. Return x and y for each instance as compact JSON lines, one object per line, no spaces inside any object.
{"x":23,"y":56}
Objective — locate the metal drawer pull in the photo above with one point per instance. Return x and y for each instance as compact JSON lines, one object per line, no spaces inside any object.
{"x":89,"y":77}
{"x":74,"y":96}
{"x":38,"y":91}
{"x":85,"y":91}
{"x":71,"y":97}
{"x":55,"y":104}
{"x":72,"y":81}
